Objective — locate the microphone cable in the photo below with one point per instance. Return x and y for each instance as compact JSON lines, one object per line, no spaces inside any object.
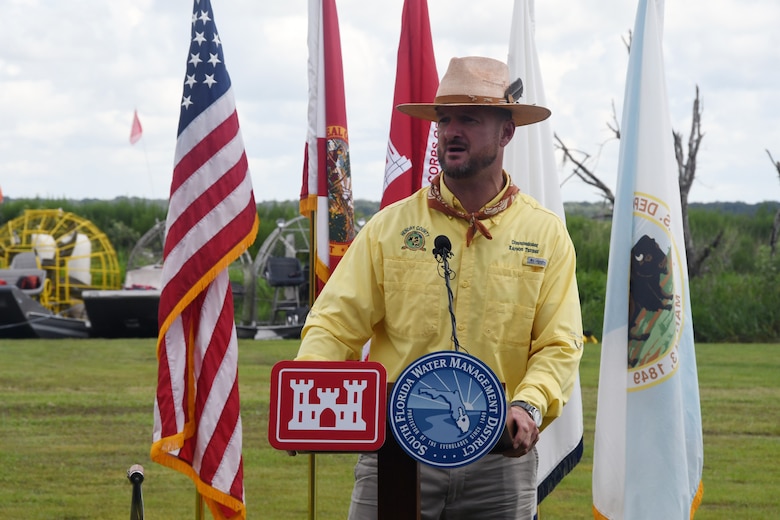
{"x":442,"y":251}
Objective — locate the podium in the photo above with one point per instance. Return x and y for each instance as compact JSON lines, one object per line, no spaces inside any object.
{"x":344,"y":388}
{"x":447,"y":410}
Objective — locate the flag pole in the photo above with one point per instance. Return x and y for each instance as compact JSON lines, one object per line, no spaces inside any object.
{"x":312,"y":486}
{"x":198,"y":505}
{"x":312,"y":297}
{"x":148,"y":168}
{"x":137,"y":134}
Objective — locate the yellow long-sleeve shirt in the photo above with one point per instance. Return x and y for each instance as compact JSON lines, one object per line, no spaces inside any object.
{"x":515,"y":297}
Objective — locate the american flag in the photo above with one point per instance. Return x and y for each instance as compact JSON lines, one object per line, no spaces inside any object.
{"x":212,"y":219}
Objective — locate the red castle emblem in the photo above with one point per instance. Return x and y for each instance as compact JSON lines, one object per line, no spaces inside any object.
{"x":327,"y":406}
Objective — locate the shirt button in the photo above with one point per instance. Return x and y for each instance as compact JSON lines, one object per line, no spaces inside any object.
{"x":461,"y":327}
{"x":465,"y":283}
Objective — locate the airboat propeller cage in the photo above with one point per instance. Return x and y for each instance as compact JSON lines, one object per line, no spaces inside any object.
{"x":71,"y":251}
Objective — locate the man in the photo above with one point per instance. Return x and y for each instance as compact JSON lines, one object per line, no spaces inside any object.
{"x":515,"y":293}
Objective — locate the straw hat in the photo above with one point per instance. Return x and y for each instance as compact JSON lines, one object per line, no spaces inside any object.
{"x":475,"y":81}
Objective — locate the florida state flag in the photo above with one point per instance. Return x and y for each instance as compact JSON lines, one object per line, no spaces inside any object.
{"x":326,"y":192}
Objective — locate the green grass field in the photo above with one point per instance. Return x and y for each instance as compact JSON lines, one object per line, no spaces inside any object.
{"x":75,"y":415}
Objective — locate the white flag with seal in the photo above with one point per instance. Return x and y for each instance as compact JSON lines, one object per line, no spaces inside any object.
{"x":530,"y":159}
{"x":648,"y":450}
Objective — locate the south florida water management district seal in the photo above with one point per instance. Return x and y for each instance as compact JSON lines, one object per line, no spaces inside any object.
{"x":447,"y":409}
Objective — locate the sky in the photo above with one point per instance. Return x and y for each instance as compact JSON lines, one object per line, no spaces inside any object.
{"x":72,"y":73}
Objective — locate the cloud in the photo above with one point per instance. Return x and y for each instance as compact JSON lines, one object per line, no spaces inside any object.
{"x":70,"y":90}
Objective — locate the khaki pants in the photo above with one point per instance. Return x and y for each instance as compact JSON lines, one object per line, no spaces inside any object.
{"x":494,"y":487}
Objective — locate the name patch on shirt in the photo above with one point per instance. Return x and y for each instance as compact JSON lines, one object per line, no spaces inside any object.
{"x":535,"y":261}
{"x":522,"y":246}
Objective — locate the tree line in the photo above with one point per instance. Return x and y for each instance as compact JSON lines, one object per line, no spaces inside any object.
{"x":734,"y":298}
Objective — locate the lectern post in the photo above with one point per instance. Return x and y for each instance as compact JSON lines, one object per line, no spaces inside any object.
{"x":399,"y":482}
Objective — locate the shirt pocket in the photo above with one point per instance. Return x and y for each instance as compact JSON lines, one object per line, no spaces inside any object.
{"x":413,"y":291}
{"x":510,"y":306}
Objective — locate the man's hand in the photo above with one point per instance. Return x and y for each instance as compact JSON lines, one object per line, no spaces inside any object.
{"x":524,"y":432}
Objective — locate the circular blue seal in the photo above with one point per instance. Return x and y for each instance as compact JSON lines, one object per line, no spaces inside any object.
{"x":447,"y":409}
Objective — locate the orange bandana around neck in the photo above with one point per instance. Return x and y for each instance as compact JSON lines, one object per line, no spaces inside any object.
{"x":437,"y":202}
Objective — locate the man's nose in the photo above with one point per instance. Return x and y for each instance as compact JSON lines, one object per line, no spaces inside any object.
{"x":452,"y":129}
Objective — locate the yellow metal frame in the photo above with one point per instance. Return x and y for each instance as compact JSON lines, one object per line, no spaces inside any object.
{"x":61,"y":291}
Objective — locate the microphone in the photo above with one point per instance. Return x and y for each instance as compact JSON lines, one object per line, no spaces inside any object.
{"x":442,"y":247}
{"x":442,"y":250}
{"x":136,"y":476}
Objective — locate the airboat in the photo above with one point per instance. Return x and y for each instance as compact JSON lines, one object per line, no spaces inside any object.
{"x":270,"y":293}
{"x":131,"y":311}
{"x":60,"y":277}
{"x":48,"y":259}
{"x":277,"y":302}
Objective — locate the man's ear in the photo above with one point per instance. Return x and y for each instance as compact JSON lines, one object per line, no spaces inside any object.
{"x":507,"y":132}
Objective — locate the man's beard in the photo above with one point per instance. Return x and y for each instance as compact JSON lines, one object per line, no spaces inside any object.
{"x":469,"y":168}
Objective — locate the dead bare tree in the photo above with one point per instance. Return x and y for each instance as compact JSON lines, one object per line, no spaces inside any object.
{"x":580,"y":159}
{"x":776,"y":225}
{"x":686,"y":166}
{"x":580,"y":168}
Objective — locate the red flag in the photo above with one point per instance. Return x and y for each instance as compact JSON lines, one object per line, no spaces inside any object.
{"x":411,"y":149}
{"x":327,"y":180}
{"x":212,"y":219}
{"x":136,"y":130}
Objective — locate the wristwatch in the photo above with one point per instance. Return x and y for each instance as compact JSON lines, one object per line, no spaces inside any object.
{"x":533,"y":411}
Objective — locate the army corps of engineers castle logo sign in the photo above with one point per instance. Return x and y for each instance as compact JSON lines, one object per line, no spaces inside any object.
{"x":447,"y":409}
{"x":327,"y":406}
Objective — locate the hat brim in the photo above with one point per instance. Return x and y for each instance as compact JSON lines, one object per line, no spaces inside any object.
{"x":521,"y":114}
